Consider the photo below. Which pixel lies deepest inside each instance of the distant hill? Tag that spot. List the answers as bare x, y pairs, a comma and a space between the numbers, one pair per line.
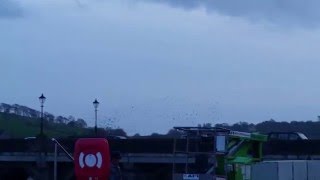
18, 121
15, 126
32, 113
19, 110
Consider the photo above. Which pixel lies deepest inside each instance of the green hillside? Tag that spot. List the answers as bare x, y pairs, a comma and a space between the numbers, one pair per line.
19, 127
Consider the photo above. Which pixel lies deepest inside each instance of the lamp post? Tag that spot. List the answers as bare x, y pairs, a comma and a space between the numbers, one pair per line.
42, 99
95, 105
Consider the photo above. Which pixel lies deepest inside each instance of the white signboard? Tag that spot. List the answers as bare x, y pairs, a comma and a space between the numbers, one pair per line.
240, 134
191, 177
221, 143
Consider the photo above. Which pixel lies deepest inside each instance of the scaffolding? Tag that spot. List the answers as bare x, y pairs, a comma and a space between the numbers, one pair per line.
195, 136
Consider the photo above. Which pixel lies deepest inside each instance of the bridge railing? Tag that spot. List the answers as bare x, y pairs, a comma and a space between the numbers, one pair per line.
163, 146
300, 147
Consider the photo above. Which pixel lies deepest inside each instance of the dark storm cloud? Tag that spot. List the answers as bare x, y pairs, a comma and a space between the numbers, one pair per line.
10, 9
277, 11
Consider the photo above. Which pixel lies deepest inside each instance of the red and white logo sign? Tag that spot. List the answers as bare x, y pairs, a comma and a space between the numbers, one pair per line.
92, 158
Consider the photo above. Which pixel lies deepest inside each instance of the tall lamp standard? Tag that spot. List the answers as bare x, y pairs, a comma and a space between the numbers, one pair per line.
95, 105
42, 99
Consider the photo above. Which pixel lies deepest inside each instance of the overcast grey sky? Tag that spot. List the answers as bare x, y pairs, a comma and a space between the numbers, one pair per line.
157, 64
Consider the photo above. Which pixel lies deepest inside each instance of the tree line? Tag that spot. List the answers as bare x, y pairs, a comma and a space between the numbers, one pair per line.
309, 128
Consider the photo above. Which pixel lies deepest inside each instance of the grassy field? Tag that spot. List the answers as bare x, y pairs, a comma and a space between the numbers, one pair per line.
19, 127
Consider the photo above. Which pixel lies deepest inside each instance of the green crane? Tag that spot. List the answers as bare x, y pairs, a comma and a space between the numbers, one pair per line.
233, 153
243, 150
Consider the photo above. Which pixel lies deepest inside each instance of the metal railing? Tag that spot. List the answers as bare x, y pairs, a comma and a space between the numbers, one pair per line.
56, 145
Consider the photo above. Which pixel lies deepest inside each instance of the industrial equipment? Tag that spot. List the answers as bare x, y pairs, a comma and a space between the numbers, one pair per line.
230, 158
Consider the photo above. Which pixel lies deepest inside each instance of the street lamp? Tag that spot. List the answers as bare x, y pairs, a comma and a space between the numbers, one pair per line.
95, 105
42, 99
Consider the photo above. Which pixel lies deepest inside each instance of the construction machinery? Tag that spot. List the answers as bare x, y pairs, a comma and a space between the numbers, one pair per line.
230, 158
203, 154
